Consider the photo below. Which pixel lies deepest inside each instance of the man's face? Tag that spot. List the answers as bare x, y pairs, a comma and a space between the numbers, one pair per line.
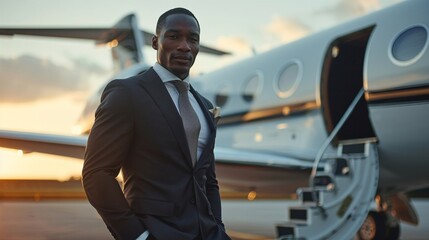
178, 44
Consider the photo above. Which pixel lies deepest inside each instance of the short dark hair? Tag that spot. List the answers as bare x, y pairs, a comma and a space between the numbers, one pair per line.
161, 19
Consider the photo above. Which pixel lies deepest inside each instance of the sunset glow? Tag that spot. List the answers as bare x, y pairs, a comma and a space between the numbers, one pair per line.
49, 116
45, 82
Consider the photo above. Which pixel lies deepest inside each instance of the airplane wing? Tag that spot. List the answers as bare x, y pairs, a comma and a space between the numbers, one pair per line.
238, 171
77, 33
100, 35
61, 145
74, 146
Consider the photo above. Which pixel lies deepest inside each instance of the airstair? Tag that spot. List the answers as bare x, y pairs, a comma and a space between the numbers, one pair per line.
342, 188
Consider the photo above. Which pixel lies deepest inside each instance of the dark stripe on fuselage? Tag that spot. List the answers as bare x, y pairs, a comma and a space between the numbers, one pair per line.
267, 113
399, 96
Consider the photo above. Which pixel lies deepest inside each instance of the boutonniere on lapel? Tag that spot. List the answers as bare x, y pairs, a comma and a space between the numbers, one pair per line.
216, 113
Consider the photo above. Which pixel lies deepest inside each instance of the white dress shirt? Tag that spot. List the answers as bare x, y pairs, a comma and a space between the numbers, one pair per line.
166, 76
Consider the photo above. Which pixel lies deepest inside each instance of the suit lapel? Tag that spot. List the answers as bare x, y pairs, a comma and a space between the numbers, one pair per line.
204, 108
210, 123
159, 93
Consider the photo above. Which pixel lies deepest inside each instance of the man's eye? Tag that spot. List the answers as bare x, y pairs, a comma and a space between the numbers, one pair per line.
173, 36
194, 40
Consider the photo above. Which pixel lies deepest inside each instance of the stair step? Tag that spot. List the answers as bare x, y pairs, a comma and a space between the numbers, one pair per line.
287, 231
356, 149
323, 182
299, 215
296, 228
309, 196
313, 197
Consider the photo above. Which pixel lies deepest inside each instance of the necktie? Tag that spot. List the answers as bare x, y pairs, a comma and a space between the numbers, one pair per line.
190, 120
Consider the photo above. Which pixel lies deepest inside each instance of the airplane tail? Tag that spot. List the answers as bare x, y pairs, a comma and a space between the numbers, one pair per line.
126, 42
125, 39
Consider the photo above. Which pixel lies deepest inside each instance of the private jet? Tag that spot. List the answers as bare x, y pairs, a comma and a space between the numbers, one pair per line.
336, 120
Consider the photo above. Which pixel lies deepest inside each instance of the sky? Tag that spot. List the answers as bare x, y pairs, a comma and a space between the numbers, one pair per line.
44, 82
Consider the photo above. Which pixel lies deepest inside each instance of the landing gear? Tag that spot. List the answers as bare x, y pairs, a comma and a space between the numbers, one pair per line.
379, 226
373, 227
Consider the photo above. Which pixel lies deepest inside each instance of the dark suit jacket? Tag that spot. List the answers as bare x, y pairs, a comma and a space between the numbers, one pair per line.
139, 130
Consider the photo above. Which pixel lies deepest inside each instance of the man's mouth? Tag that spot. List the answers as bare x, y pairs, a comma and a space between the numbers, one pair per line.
182, 59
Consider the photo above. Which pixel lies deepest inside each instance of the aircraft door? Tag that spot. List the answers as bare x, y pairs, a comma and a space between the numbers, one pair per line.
342, 79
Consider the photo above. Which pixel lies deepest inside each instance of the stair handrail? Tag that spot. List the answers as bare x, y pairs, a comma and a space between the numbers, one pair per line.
334, 132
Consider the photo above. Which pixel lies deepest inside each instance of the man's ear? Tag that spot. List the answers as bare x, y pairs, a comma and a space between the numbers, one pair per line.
155, 42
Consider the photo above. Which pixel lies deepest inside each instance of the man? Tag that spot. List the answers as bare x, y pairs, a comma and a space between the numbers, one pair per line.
163, 145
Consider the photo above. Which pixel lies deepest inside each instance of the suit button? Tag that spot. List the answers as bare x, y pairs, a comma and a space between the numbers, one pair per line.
192, 202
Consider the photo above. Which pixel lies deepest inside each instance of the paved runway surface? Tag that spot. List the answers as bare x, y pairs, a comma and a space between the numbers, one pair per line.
76, 219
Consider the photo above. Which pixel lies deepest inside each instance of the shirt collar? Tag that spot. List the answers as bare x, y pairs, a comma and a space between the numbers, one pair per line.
165, 75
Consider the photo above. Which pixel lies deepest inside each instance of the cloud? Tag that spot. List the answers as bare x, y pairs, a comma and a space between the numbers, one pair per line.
28, 78
235, 44
286, 30
88, 67
239, 48
277, 32
346, 9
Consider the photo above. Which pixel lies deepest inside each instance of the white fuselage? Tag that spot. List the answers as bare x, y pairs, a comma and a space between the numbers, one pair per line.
274, 102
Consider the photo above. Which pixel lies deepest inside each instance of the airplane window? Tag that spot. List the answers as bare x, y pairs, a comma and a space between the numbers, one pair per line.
251, 87
409, 45
288, 79
222, 96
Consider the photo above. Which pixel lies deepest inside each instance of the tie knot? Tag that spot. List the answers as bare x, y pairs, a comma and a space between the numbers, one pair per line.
181, 86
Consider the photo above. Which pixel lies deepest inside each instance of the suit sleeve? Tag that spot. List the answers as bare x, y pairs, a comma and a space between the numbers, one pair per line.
212, 190
107, 148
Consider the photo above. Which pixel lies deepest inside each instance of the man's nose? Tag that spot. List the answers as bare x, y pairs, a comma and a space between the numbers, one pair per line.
184, 45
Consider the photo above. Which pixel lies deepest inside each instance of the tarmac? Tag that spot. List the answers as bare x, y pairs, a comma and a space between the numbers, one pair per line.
76, 219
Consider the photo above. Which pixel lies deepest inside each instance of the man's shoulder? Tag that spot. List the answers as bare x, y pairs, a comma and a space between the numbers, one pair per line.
133, 80
149, 73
